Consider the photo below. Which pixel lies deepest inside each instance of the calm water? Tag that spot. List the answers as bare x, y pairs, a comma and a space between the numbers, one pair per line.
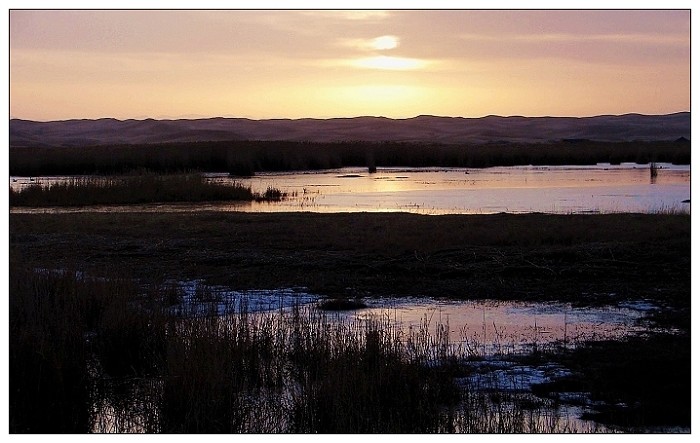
519, 189
493, 332
483, 328
487, 328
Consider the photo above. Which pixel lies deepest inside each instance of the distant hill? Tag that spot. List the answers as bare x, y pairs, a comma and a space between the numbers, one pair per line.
424, 128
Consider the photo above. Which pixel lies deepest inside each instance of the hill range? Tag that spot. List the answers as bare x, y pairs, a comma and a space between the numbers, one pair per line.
424, 128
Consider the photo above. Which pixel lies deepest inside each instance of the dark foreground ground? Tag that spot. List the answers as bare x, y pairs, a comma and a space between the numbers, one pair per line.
581, 258
586, 259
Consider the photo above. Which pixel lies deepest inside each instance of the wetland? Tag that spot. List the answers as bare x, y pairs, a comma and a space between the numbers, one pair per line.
109, 292
507, 299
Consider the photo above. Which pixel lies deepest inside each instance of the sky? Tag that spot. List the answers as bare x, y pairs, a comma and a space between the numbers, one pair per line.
262, 64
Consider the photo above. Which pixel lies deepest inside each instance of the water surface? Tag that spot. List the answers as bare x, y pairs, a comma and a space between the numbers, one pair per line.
490, 334
601, 188
480, 328
518, 189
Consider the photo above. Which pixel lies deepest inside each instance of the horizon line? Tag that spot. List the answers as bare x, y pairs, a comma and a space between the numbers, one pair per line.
192, 118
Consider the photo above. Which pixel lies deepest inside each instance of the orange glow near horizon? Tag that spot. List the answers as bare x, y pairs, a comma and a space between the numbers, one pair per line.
323, 64
400, 100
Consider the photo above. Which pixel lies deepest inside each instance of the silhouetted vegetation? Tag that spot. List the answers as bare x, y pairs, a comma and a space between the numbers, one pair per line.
75, 366
106, 354
48, 355
641, 381
114, 348
271, 194
134, 189
245, 158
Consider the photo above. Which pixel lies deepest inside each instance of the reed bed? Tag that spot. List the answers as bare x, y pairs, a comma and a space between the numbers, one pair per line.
245, 158
110, 354
107, 355
141, 188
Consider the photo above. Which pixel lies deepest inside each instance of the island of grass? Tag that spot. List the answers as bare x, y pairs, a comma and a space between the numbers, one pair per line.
139, 188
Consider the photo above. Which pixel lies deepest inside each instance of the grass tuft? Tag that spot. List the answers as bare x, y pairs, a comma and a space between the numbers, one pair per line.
341, 304
271, 194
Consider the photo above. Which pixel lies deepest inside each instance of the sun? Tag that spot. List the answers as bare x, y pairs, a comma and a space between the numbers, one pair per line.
385, 42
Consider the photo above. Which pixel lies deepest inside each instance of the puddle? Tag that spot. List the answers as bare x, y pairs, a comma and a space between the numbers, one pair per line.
488, 335
483, 328
198, 299
487, 328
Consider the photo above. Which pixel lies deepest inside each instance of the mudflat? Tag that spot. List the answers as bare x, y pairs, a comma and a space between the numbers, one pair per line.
579, 258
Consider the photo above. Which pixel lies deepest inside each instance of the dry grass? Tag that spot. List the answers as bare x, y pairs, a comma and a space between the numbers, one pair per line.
82, 347
105, 353
504, 256
109, 355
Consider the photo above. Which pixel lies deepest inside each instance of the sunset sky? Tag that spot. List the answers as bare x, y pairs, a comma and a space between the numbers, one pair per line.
323, 64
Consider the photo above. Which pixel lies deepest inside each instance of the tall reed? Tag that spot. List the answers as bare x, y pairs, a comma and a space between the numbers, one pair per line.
49, 374
244, 158
112, 355
130, 189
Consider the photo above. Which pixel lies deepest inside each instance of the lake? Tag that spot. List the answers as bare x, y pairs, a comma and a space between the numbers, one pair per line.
601, 188
517, 189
